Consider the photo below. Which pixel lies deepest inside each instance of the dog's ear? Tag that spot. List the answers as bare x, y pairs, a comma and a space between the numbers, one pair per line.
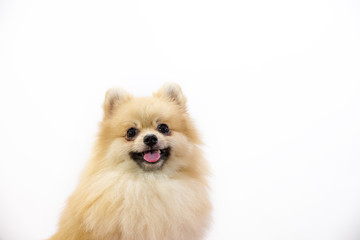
114, 97
172, 92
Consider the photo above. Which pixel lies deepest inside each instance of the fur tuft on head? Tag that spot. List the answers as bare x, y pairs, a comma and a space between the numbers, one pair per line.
114, 97
172, 92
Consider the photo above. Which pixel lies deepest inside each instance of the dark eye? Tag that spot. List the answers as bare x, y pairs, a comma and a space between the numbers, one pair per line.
163, 128
131, 133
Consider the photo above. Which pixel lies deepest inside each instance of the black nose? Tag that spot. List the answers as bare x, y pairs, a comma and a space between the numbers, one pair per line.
150, 140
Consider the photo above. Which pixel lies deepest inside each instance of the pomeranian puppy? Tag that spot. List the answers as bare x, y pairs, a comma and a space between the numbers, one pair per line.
147, 178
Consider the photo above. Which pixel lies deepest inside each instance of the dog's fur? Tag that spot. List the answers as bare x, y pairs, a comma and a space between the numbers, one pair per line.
117, 199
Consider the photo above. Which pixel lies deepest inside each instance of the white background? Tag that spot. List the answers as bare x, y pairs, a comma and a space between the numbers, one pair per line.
274, 87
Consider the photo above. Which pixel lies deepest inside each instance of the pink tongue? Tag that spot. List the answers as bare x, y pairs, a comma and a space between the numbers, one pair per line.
152, 156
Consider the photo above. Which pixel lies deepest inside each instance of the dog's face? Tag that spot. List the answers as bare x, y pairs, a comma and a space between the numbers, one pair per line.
150, 133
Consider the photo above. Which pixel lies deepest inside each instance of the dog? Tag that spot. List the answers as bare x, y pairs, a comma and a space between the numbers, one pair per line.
147, 178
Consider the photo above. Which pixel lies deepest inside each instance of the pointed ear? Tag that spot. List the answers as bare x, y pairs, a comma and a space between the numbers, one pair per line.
172, 92
114, 97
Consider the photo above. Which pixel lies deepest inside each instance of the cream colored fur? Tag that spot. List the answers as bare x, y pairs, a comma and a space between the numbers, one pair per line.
117, 200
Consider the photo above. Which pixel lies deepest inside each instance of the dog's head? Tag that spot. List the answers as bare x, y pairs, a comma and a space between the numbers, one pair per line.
148, 133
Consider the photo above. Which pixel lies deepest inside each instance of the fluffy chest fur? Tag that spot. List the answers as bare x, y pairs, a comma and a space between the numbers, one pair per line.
147, 208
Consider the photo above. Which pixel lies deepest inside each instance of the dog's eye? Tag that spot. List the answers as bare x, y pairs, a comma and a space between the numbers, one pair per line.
131, 133
163, 128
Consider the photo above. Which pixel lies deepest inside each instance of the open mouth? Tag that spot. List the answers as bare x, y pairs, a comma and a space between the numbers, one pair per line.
152, 159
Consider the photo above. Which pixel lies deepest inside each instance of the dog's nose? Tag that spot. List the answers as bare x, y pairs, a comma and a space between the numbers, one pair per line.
150, 140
